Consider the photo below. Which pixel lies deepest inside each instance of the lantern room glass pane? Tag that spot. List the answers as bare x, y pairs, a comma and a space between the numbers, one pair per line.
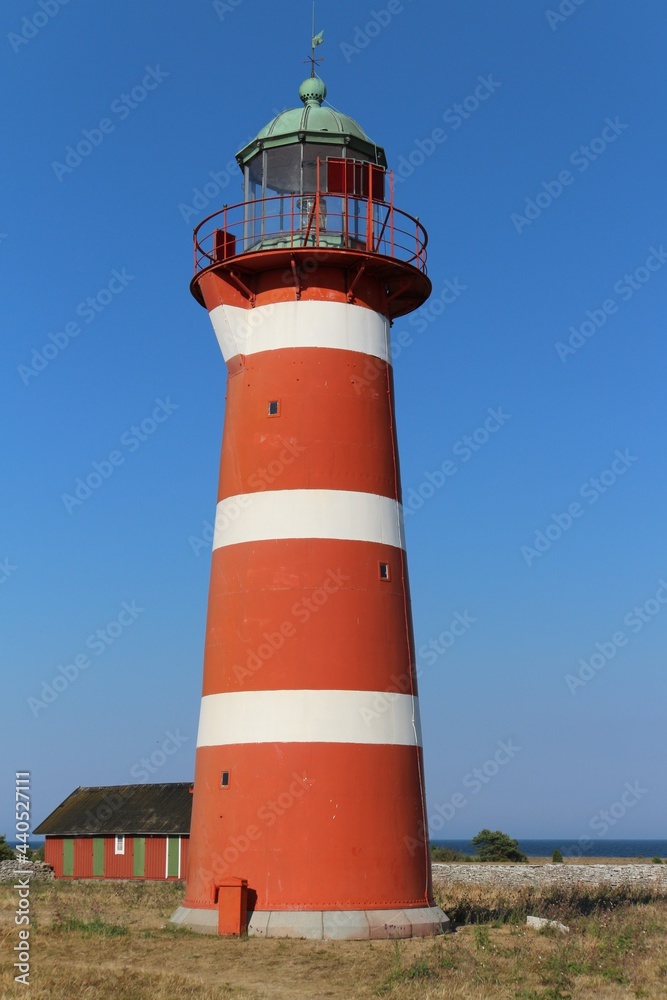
289, 169
282, 170
254, 178
311, 151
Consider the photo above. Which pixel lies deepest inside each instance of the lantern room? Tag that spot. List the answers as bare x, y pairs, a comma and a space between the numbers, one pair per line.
300, 157
283, 157
313, 180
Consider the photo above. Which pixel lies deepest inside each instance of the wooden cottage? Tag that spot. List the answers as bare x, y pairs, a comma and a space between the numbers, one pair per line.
120, 831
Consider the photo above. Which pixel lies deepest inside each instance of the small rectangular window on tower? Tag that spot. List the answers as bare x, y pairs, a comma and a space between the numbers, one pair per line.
273, 407
384, 571
224, 779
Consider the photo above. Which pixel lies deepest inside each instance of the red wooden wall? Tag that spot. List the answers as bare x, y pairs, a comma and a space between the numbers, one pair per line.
156, 861
115, 865
53, 854
83, 857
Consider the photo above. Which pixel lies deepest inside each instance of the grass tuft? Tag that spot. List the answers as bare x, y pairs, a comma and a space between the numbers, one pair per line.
99, 927
418, 970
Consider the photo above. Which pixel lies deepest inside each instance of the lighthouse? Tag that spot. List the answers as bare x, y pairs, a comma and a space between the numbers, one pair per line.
309, 815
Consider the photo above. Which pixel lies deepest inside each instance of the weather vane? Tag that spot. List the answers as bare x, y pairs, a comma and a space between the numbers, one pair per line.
314, 42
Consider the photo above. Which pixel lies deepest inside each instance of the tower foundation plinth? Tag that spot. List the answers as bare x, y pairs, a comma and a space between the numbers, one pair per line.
326, 925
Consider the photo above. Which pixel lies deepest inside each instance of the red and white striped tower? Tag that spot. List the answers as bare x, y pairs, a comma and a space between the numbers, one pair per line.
309, 775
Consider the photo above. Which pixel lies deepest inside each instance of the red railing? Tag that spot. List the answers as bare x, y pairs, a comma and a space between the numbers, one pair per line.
320, 219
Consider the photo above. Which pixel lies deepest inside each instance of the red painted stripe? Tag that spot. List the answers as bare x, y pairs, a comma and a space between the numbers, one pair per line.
334, 429
307, 613
316, 826
319, 283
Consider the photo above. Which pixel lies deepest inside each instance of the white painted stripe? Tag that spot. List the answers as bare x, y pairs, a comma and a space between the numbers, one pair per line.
273, 514
378, 717
166, 857
279, 325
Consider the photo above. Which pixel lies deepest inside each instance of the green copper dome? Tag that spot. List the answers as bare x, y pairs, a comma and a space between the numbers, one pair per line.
312, 123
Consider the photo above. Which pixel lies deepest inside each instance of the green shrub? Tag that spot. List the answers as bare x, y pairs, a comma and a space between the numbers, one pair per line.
448, 854
657, 861
494, 845
557, 857
6, 852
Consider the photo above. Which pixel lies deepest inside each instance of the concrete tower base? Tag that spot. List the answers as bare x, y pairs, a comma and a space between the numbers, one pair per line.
328, 925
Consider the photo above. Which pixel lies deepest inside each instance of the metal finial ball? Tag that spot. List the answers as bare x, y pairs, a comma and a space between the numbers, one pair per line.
312, 90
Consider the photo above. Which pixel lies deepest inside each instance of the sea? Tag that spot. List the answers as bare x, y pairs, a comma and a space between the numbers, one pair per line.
594, 848
586, 847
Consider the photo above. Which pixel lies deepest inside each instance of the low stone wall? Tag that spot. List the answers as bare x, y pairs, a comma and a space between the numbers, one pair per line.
515, 876
37, 870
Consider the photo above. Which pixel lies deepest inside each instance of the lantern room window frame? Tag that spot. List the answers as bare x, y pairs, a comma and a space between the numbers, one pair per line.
280, 178
254, 190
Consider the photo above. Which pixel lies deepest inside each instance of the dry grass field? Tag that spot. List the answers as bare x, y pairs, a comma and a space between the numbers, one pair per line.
111, 940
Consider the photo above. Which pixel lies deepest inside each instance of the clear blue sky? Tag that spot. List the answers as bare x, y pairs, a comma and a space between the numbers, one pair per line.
547, 89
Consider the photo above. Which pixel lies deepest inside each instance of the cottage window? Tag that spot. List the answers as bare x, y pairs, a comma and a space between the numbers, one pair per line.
120, 845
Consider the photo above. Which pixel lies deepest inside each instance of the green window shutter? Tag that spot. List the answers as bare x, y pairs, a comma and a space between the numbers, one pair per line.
68, 856
98, 855
173, 851
139, 862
